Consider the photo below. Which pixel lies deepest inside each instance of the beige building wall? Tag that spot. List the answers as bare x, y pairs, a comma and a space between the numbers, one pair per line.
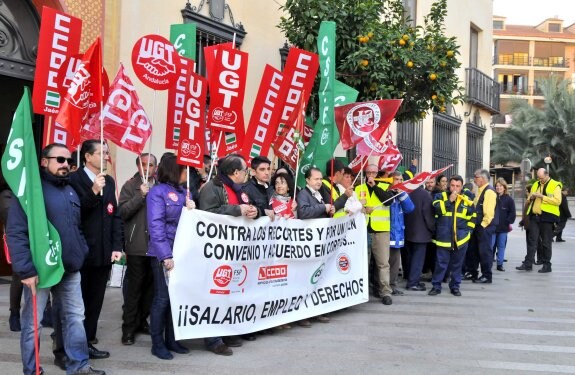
128, 20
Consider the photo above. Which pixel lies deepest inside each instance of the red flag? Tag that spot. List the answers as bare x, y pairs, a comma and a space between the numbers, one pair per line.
356, 121
192, 138
227, 89
412, 184
357, 163
210, 54
392, 157
125, 120
291, 137
86, 88
299, 76
59, 39
177, 103
265, 114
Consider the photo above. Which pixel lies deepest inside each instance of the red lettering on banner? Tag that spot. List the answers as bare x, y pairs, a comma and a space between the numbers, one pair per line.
59, 39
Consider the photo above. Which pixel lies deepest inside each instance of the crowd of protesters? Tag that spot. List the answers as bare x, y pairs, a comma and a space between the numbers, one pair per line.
449, 230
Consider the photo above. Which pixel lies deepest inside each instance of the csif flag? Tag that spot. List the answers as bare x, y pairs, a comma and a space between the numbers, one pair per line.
356, 121
85, 88
20, 169
392, 156
412, 184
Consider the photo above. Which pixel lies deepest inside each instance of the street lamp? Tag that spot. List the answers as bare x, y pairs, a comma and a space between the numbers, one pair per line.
547, 161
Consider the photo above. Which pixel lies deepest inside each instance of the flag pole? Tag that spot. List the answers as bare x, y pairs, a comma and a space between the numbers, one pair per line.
362, 166
215, 156
142, 167
36, 334
152, 132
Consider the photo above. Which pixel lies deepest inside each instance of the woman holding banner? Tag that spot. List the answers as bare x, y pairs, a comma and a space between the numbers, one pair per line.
164, 206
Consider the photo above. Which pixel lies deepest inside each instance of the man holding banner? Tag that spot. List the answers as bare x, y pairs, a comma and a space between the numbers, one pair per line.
63, 211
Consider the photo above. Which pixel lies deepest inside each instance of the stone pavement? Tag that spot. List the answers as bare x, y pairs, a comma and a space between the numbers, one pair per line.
521, 324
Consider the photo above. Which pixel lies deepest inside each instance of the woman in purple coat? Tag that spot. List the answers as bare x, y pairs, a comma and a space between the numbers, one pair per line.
164, 207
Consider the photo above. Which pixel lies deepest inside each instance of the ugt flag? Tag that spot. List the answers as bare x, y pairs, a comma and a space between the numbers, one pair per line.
20, 169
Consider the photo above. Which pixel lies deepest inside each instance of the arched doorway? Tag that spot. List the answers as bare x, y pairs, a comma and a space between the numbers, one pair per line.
19, 31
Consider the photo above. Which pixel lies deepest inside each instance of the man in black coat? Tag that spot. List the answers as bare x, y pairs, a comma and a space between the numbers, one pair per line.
102, 227
258, 189
419, 228
312, 203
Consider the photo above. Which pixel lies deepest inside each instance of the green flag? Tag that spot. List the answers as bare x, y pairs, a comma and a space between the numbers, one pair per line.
21, 171
183, 37
344, 94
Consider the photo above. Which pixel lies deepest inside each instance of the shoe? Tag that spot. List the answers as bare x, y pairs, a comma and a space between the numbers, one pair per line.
538, 262
97, 354
221, 349
14, 321
469, 276
456, 292
560, 240
396, 292
90, 370
545, 269
322, 319
500, 268
249, 337
386, 300
482, 280
128, 339
61, 361
144, 328
504, 260
524, 267
93, 341
417, 288
176, 347
304, 323
162, 352
434, 292
41, 371
232, 341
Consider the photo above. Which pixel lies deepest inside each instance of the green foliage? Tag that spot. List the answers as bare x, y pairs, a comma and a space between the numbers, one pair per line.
380, 54
537, 133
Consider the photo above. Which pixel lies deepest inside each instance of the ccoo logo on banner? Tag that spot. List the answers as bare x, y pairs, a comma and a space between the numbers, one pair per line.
234, 275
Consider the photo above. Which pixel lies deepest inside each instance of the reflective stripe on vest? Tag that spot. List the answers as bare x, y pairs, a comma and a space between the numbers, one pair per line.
448, 244
334, 195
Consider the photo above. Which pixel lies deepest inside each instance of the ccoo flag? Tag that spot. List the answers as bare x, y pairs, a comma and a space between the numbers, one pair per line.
20, 169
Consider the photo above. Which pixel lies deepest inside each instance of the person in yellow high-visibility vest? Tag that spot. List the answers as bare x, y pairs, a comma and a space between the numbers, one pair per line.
543, 212
334, 174
372, 194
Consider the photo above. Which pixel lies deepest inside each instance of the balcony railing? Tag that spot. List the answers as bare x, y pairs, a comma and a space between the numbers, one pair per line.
551, 62
520, 90
482, 90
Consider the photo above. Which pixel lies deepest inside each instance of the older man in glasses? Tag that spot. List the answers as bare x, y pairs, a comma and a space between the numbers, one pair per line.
63, 211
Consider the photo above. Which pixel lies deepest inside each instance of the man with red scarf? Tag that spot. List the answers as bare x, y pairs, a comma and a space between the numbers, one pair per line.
223, 195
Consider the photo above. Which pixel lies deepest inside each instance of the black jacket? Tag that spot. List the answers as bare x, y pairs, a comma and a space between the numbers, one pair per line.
63, 211
564, 211
259, 195
506, 208
132, 210
310, 208
420, 223
101, 223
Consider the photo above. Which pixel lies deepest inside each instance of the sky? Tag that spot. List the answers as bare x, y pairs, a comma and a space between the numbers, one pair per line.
533, 12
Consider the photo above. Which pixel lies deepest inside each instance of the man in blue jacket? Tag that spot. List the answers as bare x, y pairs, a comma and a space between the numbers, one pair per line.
63, 211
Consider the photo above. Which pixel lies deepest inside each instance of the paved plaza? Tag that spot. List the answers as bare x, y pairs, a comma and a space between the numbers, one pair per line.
521, 324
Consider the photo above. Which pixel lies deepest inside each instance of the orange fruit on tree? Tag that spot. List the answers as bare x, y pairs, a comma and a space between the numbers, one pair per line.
433, 97
364, 63
409, 64
442, 63
401, 42
450, 53
405, 37
433, 76
442, 109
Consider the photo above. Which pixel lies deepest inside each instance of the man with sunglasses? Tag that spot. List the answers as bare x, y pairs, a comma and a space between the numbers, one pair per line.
63, 211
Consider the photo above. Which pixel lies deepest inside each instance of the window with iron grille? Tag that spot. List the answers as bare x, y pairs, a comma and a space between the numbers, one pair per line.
475, 134
445, 142
409, 142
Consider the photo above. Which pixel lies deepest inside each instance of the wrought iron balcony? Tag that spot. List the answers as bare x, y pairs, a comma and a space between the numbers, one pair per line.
481, 90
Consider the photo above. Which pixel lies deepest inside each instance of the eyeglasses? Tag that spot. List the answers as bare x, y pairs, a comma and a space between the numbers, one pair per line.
61, 159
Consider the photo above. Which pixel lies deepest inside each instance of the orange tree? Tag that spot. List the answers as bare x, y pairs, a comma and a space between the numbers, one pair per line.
380, 54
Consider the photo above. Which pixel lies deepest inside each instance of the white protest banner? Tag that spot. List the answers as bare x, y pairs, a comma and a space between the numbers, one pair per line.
234, 275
